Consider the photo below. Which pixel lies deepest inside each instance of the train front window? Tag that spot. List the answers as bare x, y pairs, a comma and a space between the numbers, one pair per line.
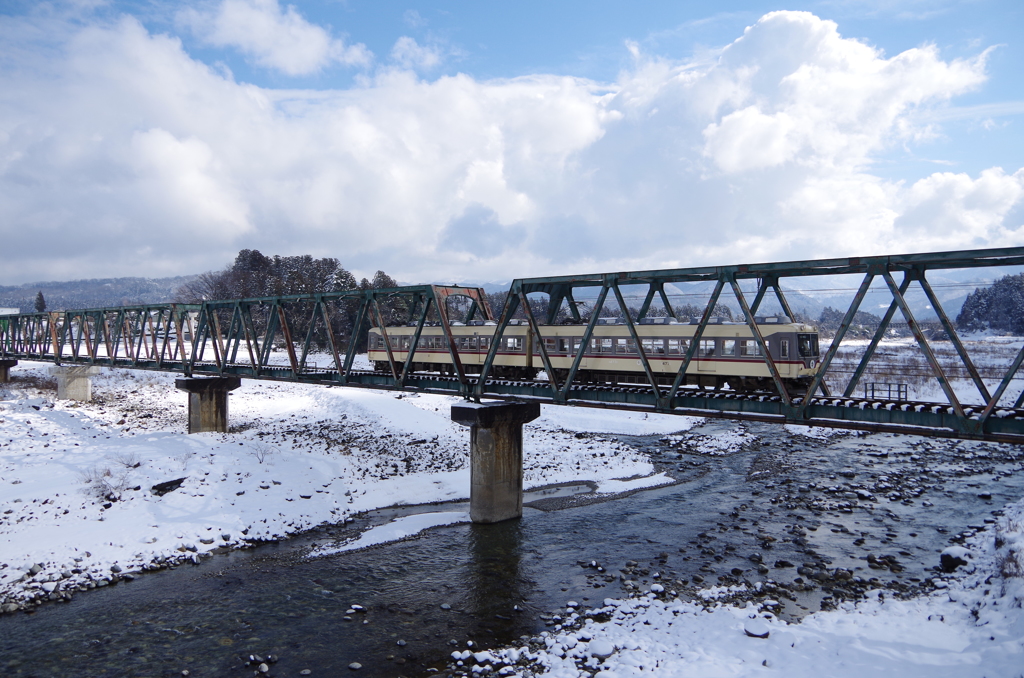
808, 345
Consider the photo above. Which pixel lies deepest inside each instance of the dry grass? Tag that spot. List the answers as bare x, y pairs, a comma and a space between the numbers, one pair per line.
36, 382
107, 483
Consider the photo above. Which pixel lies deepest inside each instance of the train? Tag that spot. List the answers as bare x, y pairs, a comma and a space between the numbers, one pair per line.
728, 356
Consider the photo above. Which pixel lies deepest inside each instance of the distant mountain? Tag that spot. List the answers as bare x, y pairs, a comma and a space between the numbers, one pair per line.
76, 294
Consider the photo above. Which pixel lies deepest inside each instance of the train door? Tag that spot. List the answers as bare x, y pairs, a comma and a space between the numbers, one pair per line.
577, 342
706, 356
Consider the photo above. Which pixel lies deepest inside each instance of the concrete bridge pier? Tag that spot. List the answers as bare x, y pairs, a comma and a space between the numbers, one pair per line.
496, 457
5, 370
208, 402
74, 382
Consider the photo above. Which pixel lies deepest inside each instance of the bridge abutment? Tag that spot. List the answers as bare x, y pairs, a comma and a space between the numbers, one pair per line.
5, 370
208, 402
496, 457
74, 382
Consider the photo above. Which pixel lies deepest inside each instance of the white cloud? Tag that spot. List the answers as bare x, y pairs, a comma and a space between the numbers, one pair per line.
273, 37
125, 156
809, 95
408, 53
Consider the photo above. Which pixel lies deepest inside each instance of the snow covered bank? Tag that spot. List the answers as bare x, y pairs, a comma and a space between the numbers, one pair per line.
971, 625
78, 509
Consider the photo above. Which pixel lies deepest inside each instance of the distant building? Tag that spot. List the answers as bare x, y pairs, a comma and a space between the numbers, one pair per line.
9, 311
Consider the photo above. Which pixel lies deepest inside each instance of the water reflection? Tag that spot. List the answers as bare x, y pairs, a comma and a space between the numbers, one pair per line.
497, 583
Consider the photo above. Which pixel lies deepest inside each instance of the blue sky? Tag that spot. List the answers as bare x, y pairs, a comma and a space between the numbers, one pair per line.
458, 140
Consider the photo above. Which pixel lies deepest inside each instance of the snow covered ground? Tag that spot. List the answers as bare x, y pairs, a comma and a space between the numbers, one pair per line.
77, 510
971, 626
76, 502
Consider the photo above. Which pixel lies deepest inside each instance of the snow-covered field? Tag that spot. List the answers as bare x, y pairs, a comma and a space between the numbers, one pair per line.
971, 627
900, 361
77, 508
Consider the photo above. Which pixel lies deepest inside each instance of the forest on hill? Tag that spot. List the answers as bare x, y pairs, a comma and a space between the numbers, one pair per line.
999, 307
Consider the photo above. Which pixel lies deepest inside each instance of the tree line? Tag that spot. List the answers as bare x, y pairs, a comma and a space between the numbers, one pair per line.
999, 307
253, 275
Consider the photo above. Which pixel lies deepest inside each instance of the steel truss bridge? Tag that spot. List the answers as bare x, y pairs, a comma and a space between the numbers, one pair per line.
239, 337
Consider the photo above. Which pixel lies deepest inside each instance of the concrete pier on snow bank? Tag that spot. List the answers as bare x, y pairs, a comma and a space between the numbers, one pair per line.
496, 457
74, 382
208, 402
5, 370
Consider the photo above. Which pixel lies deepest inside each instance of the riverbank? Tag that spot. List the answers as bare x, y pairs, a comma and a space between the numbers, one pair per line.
971, 625
78, 508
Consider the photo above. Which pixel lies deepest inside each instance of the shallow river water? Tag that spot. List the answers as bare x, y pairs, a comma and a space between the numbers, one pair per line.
878, 506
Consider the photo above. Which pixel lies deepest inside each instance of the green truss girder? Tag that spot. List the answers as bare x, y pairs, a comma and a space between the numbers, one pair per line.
237, 337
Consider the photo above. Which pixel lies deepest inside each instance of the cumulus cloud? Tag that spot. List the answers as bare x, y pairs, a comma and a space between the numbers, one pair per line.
125, 155
273, 37
802, 93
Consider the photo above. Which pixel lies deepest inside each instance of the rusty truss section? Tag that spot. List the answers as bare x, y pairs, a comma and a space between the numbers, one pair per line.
317, 339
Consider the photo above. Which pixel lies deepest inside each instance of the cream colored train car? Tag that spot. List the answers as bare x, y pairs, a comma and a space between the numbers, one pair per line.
727, 356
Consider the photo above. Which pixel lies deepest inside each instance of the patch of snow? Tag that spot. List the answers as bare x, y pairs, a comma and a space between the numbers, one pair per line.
617, 486
399, 528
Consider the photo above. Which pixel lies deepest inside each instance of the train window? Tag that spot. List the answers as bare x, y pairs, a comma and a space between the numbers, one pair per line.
750, 348
654, 346
576, 343
563, 344
485, 343
728, 347
807, 344
707, 347
514, 343
602, 345
406, 343
550, 344
625, 346
393, 340
784, 348
678, 346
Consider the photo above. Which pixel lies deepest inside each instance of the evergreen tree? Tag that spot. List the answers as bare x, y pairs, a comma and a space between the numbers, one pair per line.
40, 302
999, 307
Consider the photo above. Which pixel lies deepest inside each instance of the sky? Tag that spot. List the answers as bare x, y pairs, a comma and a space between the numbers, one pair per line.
475, 142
